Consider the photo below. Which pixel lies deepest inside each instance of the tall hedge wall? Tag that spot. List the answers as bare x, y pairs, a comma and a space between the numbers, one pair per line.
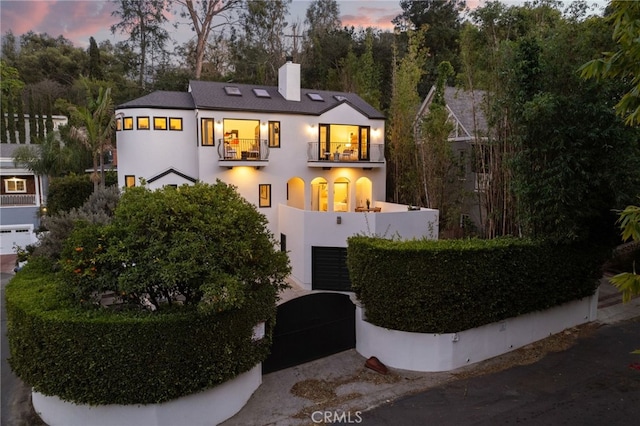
130, 357
453, 285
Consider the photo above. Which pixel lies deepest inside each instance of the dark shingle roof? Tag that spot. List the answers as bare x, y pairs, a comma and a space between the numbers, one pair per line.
464, 104
162, 99
212, 95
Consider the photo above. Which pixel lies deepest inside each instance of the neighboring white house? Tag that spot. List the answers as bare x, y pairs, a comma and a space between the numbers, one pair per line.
22, 196
311, 161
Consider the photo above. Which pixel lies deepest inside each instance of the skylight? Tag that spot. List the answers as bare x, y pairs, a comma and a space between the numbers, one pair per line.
315, 97
232, 91
340, 98
261, 93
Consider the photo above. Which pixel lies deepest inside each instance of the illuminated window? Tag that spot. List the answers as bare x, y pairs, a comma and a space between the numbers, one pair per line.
274, 134
127, 123
143, 123
14, 185
207, 132
129, 181
118, 124
265, 195
175, 123
159, 123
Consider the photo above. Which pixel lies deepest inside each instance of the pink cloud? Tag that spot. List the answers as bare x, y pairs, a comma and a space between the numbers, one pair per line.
74, 20
367, 16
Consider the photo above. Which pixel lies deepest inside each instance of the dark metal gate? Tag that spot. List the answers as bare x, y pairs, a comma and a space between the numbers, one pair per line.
311, 327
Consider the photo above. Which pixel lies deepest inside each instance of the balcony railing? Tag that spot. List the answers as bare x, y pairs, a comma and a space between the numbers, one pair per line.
243, 149
18, 200
345, 152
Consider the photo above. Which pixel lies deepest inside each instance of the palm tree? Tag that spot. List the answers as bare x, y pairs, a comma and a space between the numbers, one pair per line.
47, 157
98, 122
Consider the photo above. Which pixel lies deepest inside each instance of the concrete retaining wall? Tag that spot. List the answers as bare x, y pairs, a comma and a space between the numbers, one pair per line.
207, 408
448, 351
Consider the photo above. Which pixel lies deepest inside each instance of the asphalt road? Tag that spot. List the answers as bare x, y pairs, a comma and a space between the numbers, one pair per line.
596, 382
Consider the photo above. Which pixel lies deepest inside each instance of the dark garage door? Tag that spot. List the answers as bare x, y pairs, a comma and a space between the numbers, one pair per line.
329, 269
311, 327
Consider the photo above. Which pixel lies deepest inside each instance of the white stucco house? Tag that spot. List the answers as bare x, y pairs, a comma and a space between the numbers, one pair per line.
311, 161
23, 194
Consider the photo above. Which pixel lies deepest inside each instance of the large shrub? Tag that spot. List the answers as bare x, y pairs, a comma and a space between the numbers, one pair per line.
201, 244
97, 209
106, 356
199, 256
68, 192
453, 285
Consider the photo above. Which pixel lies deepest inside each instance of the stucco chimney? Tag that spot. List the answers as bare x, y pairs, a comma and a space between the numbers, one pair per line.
289, 80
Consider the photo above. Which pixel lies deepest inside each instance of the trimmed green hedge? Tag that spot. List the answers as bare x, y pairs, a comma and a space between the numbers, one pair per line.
453, 285
102, 356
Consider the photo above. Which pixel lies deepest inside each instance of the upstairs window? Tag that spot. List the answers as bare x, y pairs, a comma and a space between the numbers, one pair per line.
143, 123
127, 123
206, 136
274, 134
175, 123
15, 185
159, 123
265, 195
118, 124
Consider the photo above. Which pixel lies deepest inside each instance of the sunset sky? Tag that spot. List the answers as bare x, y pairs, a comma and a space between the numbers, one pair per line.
79, 20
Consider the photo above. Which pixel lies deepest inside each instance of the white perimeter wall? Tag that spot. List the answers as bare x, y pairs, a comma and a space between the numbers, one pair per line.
448, 351
305, 229
206, 408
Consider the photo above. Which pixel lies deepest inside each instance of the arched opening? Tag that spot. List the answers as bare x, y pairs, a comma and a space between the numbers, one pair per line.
363, 192
341, 195
295, 193
319, 195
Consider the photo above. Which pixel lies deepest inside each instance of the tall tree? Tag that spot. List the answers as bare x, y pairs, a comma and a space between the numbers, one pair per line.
20, 120
48, 157
360, 74
324, 43
201, 14
95, 62
260, 50
143, 22
624, 62
443, 20
440, 171
3, 125
33, 122
97, 124
405, 180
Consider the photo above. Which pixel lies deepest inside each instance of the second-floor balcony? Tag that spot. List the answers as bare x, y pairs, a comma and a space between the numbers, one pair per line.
232, 151
7, 200
344, 154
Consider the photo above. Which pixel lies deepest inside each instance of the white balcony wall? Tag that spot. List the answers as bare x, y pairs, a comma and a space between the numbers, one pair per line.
305, 229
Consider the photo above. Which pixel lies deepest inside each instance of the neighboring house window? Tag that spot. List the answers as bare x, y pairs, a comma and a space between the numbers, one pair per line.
274, 134
129, 181
265, 195
15, 185
175, 123
127, 123
207, 132
159, 123
143, 123
119, 124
